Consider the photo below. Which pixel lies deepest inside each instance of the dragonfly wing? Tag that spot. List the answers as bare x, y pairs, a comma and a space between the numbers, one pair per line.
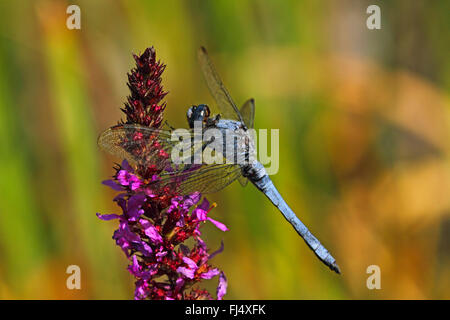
153, 147
248, 113
204, 179
217, 88
140, 145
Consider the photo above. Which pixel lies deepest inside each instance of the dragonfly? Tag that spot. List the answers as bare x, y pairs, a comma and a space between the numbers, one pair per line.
145, 146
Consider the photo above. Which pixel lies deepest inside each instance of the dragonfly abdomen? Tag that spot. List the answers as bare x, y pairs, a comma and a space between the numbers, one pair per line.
266, 185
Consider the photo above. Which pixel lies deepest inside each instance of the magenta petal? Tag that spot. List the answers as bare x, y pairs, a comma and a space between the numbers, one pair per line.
212, 255
128, 179
210, 274
191, 199
112, 184
161, 254
145, 249
134, 206
141, 290
122, 177
218, 224
149, 193
107, 217
188, 273
135, 268
127, 166
204, 205
179, 283
200, 214
222, 287
190, 263
151, 231
135, 183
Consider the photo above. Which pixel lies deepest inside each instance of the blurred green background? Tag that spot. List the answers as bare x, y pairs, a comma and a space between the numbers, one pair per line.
364, 141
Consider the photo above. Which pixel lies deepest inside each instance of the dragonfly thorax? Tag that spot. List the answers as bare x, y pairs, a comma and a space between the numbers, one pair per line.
238, 142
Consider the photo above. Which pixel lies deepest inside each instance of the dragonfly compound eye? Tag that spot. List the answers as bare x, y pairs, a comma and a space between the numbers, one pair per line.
203, 111
190, 112
207, 112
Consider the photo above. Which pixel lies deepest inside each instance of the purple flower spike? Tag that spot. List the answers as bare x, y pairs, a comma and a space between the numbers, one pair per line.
156, 224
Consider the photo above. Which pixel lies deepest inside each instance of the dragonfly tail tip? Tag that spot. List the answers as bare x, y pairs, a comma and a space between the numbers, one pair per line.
335, 268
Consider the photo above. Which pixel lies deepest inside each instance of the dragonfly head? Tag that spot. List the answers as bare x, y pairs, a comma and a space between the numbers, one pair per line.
197, 113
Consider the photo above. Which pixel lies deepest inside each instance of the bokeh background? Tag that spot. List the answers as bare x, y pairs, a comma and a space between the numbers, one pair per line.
364, 125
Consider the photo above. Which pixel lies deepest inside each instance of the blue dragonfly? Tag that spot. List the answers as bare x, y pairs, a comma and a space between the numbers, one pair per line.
144, 146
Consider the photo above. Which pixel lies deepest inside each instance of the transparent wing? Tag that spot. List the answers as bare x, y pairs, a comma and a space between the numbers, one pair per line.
248, 113
146, 146
204, 179
217, 88
140, 145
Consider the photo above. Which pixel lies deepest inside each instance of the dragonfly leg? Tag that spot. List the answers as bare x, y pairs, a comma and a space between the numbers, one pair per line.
167, 124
